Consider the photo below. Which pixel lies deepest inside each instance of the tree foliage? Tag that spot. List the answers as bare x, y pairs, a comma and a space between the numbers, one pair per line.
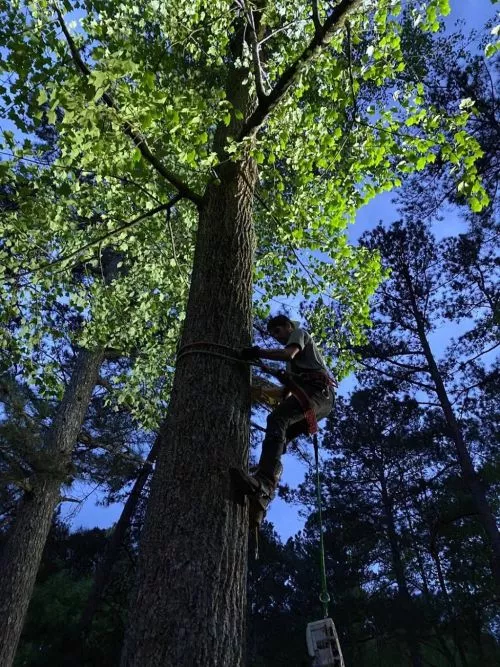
134, 97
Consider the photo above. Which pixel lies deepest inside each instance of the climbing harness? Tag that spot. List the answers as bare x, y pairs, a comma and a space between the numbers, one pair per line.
288, 381
286, 378
321, 636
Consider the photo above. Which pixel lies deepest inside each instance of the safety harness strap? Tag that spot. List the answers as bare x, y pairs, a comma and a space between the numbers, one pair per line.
286, 378
300, 394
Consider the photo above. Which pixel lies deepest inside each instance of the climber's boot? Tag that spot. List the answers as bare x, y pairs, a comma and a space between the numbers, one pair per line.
259, 487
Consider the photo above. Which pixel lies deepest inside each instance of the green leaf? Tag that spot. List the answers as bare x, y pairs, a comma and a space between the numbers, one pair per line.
475, 205
148, 80
259, 157
444, 7
491, 49
42, 97
98, 78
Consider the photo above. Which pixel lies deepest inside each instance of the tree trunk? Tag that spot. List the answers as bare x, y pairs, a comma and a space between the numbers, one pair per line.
486, 516
427, 594
397, 563
189, 606
24, 548
449, 608
190, 601
105, 568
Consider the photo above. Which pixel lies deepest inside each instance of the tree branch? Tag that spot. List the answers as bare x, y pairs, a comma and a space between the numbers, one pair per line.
257, 67
99, 239
105, 384
443, 521
315, 17
480, 354
174, 251
110, 354
481, 383
370, 351
136, 136
351, 78
408, 367
258, 427
290, 76
404, 378
277, 31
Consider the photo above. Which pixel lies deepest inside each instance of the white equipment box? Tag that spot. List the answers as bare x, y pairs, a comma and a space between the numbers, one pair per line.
323, 644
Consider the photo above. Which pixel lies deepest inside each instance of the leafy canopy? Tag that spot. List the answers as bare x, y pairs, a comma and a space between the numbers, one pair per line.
136, 94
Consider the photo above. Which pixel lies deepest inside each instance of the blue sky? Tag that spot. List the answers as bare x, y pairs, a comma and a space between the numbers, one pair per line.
286, 517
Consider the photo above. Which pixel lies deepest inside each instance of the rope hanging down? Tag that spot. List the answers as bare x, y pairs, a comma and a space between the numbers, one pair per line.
321, 636
324, 596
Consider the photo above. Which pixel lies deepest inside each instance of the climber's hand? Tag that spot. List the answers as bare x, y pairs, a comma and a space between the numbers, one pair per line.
250, 353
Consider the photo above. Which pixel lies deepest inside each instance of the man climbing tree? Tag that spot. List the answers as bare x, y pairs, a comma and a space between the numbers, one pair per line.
307, 397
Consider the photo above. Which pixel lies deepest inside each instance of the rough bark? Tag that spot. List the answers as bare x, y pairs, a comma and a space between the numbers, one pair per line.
189, 607
469, 474
24, 548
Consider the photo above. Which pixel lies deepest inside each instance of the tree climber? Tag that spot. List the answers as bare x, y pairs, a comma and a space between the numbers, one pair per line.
305, 399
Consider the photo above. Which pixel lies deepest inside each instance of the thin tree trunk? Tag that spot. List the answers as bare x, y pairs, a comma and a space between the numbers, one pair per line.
427, 594
24, 548
115, 541
469, 474
397, 562
449, 608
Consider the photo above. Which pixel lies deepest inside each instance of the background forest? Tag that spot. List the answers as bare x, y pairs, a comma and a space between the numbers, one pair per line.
96, 264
